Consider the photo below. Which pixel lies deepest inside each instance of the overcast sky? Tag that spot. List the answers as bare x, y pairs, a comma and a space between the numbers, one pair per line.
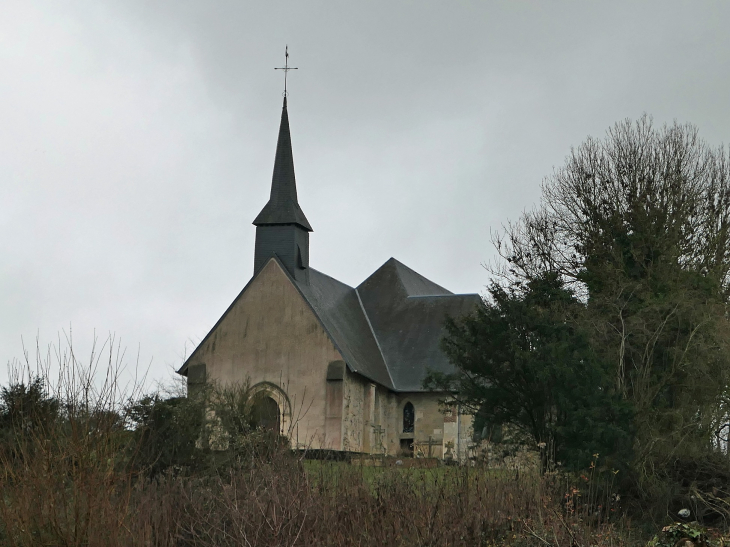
137, 140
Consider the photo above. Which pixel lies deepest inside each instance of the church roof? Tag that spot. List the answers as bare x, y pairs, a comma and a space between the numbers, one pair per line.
338, 307
283, 206
389, 328
407, 313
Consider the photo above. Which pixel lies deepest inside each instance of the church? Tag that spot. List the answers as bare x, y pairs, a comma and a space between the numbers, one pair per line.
333, 366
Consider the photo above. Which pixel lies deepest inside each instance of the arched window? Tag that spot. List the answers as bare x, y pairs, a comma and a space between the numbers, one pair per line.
265, 414
409, 418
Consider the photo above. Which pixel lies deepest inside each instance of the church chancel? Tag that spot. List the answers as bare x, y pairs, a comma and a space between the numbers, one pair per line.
337, 367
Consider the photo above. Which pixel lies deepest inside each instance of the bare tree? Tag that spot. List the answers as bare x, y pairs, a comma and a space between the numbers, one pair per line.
640, 198
638, 222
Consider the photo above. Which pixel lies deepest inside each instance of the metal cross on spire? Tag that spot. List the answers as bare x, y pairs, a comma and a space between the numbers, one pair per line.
286, 68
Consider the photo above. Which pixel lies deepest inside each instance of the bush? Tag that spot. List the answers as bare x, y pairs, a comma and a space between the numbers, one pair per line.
108, 469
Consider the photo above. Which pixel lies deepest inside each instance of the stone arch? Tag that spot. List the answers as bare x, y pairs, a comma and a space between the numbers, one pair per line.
261, 397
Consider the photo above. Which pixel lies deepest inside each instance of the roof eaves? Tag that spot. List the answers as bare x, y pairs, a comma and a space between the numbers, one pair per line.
462, 295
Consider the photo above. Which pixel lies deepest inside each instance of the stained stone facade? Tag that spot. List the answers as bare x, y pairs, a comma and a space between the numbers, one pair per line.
343, 365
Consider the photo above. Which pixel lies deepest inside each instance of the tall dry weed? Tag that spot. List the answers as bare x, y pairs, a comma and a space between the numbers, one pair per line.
65, 477
288, 502
72, 479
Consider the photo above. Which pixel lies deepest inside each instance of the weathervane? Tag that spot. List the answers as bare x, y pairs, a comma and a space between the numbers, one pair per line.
286, 68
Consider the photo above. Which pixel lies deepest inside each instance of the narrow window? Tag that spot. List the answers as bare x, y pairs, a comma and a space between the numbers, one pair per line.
408, 418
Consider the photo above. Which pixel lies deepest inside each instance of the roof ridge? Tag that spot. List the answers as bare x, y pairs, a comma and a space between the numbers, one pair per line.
402, 270
375, 337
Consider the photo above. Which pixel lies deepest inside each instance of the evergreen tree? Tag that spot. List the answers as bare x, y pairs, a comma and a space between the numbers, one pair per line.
526, 365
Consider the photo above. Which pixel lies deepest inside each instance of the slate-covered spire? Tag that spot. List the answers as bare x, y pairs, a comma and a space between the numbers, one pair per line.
282, 230
283, 207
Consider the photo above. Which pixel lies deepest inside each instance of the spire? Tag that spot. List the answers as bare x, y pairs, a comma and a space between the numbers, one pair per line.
283, 206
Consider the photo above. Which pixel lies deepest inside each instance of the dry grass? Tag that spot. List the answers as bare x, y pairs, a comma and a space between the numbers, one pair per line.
74, 480
277, 502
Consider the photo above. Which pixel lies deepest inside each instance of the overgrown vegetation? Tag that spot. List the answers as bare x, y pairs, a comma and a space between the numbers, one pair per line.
608, 330
526, 363
85, 462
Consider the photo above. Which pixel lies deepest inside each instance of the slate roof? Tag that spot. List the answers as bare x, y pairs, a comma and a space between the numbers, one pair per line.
389, 328
407, 313
338, 307
283, 206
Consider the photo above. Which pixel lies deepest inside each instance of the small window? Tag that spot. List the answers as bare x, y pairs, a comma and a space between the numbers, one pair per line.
409, 418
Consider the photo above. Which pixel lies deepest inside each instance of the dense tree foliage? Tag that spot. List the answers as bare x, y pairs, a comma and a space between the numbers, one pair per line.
166, 431
152, 435
638, 225
26, 410
525, 363
26, 405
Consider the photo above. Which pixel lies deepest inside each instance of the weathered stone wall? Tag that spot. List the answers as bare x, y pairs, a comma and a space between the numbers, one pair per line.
429, 422
270, 334
271, 337
390, 419
334, 404
466, 445
373, 421
353, 423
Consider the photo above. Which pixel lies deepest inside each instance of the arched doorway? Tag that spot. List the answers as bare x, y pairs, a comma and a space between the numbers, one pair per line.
261, 412
265, 414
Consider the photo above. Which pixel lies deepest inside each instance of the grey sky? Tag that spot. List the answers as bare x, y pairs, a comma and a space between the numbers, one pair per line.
137, 140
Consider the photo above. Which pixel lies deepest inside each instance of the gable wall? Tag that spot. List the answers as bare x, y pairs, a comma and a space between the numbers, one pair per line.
271, 335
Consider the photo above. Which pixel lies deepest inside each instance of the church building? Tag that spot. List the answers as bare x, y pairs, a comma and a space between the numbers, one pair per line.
334, 367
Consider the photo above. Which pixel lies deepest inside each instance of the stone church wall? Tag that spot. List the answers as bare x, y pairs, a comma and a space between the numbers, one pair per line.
373, 421
270, 335
369, 422
352, 415
429, 422
272, 339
